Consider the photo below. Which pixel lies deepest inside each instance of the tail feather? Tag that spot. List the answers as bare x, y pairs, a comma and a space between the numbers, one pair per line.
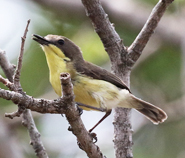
153, 113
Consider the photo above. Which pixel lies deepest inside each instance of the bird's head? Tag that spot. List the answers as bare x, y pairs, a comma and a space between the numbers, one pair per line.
60, 45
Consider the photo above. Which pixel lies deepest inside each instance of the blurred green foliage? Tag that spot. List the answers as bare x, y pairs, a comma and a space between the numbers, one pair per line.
163, 142
163, 70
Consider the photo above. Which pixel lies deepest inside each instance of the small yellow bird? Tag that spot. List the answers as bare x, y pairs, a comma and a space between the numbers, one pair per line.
92, 85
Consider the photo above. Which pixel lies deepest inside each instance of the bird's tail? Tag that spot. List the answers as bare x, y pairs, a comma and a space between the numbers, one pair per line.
153, 113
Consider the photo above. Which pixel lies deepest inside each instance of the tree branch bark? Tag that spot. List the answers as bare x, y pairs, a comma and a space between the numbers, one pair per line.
143, 37
122, 61
118, 56
85, 140
103, 27
16, 77
6, 66
28, 122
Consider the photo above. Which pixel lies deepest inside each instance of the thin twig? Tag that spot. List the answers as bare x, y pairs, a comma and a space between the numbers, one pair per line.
6, 66
7, 83
9, 69
105, 29
27, 119
143, 37
19, 64
13, 114
34, 135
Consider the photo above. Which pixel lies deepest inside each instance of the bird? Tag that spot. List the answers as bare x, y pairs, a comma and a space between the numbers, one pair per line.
94, 87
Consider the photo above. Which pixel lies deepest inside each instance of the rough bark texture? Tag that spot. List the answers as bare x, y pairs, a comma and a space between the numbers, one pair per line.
34, 134
122, 61
143, 37
85, 140
118, 56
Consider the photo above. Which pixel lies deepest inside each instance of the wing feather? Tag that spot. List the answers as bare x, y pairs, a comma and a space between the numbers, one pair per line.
99, 73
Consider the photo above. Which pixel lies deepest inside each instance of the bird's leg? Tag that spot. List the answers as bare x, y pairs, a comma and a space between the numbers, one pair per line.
108, 112
90, 107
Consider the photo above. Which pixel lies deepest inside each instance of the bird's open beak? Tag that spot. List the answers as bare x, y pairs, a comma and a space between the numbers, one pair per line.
41, 40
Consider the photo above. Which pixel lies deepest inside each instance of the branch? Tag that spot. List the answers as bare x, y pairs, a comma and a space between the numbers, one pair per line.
38, 105
85, 140
143, 37
34, 135
124, 12
7, 83
117, 52
7, 68
27, 117
19, 64
106, 31
118, 56
64, 105
122, 61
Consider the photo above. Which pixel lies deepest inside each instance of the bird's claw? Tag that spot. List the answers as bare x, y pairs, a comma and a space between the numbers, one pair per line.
80, 110
70, 128
94, 137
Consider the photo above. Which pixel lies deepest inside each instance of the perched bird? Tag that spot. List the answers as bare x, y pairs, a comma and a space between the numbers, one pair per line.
93, 85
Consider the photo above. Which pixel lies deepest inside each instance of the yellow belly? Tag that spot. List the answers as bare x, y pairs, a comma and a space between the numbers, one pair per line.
83, 94
89, 91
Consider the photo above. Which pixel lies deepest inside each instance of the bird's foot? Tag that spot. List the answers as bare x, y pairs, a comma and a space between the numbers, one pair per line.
94, 137
80, 110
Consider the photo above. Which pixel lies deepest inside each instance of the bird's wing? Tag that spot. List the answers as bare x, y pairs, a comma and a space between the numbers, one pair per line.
99, 73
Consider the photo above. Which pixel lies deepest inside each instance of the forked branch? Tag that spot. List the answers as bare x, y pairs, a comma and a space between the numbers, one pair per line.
19, 64
122, 61
14, 84
143, 37
64, 105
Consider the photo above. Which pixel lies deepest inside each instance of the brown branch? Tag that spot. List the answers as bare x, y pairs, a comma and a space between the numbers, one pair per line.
16, 77
9, 69
39, 105
7, 83
106, 31
135, 13
122, 61
34, 135
19, 64
27, 117
118, 55
143, 37
85, 140
124, 12
64, 105
6, 66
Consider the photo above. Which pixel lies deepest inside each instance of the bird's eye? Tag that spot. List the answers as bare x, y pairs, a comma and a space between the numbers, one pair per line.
60, 41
